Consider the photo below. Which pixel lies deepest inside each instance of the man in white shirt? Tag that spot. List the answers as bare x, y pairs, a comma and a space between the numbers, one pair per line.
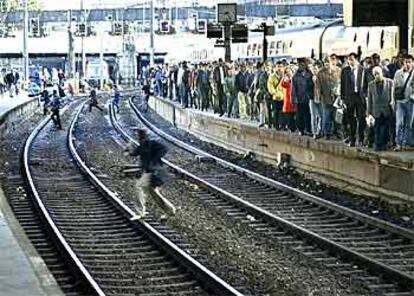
403, 104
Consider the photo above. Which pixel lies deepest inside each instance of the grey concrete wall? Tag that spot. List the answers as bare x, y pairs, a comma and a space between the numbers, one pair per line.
380, 175
10, 120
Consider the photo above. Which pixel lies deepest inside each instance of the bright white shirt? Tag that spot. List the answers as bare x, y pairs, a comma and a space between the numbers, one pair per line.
221, 74
355, 72
180, 76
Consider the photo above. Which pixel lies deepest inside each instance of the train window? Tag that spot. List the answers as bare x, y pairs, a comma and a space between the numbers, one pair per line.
272, 48
249, 48
279, 44
291, 44
367, 39
259, 50
355, 37
254, 49
382, 41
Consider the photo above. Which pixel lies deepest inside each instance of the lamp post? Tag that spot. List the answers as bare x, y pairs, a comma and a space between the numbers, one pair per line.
25, 41
152, 60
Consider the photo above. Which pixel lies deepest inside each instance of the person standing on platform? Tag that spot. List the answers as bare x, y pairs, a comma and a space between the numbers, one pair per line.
403, 103
379, 107
241, 90
218, 82
352, 77
250, 92
16, 81
315, 105
93, 102
184, 79
55, 109
203, 88
289, 109
302, 92
329, 90
278, 94
2, 81
261, 93
10, 83
230, 92
153, 174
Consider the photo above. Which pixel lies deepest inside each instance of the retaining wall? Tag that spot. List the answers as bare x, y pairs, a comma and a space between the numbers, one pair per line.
384, 175
11, 118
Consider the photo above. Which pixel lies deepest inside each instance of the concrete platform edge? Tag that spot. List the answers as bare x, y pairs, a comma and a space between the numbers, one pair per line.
46, 280
376, 176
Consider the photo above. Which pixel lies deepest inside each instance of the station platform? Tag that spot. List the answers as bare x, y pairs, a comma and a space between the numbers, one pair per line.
6, 102
22, 270
387, 175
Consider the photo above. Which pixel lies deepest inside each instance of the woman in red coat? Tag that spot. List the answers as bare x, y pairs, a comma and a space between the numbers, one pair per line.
289, 109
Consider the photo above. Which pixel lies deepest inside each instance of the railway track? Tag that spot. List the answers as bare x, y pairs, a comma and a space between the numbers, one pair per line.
110, 254
26, 213
377, 252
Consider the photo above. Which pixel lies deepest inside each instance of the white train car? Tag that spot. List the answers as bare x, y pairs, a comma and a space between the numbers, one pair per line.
316, 41
321, 40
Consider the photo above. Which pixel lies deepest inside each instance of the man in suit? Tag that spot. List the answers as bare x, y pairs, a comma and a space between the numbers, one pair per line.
219, 73
353, 96
380, 92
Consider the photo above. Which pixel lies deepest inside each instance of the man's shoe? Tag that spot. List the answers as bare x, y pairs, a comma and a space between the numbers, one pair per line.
140, 216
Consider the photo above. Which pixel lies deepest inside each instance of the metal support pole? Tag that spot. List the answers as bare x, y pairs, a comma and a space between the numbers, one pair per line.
403, 35
152, 60
101, 60
71, 57
227, 43
83, 69
25, 41
123, 31
265, 44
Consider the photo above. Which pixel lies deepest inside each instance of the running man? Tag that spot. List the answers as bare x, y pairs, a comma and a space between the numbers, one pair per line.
150, 152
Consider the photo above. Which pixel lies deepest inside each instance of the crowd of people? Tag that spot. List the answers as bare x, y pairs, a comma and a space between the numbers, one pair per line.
9, 82
367, 102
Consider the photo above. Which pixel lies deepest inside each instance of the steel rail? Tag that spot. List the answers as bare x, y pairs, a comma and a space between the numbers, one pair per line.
206, 277
409, 234
402, 278
47, 217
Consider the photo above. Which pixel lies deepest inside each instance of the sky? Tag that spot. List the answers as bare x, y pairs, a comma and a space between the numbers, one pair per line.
75, 4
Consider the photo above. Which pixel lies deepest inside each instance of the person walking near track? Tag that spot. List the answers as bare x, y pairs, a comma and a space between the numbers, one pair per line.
55, 109
117, 98
94, 100
152, 177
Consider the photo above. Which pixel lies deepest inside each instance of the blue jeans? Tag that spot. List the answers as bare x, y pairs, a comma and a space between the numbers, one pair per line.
328, 112
404, 123
232, 106
316, 117
184, 92
159, 91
